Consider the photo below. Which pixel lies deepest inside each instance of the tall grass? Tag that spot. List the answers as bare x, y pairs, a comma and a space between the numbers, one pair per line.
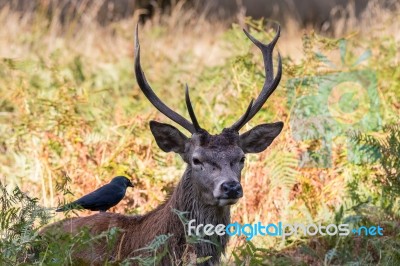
72, 117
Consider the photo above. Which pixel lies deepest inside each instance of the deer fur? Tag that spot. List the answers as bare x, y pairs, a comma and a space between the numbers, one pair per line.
139, 231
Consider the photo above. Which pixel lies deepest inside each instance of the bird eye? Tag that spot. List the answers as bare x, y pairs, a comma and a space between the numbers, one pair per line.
243, 159
196, 161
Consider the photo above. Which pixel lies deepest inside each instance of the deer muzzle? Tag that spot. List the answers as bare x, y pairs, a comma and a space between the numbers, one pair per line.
231, 190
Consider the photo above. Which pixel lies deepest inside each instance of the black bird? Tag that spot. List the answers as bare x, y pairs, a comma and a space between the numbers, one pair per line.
103, 198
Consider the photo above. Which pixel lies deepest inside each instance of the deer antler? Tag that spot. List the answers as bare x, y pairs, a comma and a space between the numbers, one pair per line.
152, 97
270, 83
191, 112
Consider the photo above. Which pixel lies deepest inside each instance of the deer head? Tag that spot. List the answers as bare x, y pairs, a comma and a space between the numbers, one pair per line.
215, 162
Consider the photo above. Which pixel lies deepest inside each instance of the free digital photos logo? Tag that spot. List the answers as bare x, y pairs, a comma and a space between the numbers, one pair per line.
280, 229
332, 105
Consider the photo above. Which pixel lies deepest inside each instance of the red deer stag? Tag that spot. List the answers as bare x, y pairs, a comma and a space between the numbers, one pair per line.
207, 189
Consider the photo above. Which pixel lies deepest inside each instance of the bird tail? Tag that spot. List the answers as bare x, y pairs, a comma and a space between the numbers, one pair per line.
63, 208
68, 207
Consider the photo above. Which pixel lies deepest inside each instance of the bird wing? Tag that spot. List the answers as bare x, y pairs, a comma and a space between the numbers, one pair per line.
103, 198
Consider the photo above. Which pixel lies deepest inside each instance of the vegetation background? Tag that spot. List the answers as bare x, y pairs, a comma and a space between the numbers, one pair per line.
72, 117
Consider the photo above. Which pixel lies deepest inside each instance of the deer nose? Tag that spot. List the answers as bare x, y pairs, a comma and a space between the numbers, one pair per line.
232, 190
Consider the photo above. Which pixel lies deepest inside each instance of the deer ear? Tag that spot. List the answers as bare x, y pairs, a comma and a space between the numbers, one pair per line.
168, 138
260, 137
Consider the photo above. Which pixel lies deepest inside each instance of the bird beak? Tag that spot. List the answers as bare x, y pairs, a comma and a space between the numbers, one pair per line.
130, 184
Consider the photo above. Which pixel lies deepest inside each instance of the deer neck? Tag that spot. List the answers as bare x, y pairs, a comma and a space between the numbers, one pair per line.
186, 199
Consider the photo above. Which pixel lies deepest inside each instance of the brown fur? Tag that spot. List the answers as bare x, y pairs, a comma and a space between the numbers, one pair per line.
139, 231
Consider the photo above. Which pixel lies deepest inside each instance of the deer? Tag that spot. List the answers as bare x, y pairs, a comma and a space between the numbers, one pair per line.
209, 186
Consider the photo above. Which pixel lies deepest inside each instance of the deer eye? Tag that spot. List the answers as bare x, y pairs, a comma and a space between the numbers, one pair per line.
243, 159
197, 161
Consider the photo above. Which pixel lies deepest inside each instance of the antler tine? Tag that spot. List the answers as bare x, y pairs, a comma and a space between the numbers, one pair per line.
270, 83
242, 121
152, 97
191, 112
